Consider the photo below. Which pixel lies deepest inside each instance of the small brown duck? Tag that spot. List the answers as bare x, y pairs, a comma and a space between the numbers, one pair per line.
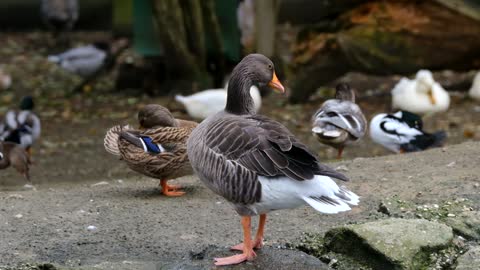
339, 121
157, 149
12, 154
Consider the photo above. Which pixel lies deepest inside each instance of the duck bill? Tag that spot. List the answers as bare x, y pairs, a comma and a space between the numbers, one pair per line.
276, 85
431, 97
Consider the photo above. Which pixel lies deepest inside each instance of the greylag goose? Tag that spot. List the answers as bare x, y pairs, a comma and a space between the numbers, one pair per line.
402, 132
256, 163
339, 121
21, 126
157, 149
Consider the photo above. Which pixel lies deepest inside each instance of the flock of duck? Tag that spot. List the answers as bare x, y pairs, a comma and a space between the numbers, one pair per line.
252, 161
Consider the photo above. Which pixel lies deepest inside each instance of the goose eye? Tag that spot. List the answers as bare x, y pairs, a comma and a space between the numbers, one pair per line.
270, 66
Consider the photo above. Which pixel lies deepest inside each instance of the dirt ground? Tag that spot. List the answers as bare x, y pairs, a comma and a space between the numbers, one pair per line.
133, 222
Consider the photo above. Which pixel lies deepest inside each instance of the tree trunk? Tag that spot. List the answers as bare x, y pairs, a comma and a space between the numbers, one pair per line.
185, 59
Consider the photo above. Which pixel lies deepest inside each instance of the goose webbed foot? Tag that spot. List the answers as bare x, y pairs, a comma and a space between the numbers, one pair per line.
248, 253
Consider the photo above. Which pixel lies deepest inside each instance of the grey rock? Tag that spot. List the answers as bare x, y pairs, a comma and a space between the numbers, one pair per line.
466, 224
470, 260
267, 258
391, 243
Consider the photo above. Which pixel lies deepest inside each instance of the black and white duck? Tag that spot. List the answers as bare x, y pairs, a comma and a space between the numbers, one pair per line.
83, 61
256, 163
403, 132
339, 121
21, 126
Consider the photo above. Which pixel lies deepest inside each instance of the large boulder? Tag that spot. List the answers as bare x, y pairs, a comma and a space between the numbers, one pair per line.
469, 260
466, 224
391, 243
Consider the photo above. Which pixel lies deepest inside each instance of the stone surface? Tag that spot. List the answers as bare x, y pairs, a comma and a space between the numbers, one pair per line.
469, 260
391, 243
466, 224
267, 258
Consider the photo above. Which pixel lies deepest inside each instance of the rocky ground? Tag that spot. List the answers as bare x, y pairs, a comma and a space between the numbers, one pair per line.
126, 221
89, 211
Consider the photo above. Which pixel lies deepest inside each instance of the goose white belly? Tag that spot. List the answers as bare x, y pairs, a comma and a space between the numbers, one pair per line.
285, 193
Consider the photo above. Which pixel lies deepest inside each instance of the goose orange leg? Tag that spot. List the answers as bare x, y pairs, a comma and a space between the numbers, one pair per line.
248, 253
170, 191
258, 241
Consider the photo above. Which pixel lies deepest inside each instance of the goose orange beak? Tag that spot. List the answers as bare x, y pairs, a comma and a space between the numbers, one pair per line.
276, 85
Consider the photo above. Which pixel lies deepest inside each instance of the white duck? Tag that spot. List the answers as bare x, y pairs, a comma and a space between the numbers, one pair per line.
422, 95
208, 102
475, 89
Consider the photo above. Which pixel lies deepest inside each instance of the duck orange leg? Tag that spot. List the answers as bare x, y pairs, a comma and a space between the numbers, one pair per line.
340, 152
258, 241
170, 191
248, 253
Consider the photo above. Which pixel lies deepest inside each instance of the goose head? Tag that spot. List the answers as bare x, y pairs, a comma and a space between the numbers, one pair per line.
253, 70
425, 84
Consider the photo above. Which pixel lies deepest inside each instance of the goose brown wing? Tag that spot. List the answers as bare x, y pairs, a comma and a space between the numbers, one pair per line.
265, 147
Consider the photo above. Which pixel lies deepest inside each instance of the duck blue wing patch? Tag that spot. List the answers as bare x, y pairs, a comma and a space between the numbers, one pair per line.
151, 146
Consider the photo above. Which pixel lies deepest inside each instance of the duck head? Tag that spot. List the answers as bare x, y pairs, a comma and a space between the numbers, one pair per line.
254, 69
344, 92
154, 115
425, 83
27, 103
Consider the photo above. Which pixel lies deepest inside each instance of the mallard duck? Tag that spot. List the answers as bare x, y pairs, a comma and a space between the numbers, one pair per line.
59, 15
256, 163
83, 61
157, 149
208, 102
339, 121
422, 95
403, 132
11, 154
474, 91
21, 126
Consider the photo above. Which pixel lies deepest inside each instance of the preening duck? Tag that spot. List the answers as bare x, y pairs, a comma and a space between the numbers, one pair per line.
208, 102
339, 121
402, 132
83, 61
157, 149
22, 126
256, 163
12, 154
422, 95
